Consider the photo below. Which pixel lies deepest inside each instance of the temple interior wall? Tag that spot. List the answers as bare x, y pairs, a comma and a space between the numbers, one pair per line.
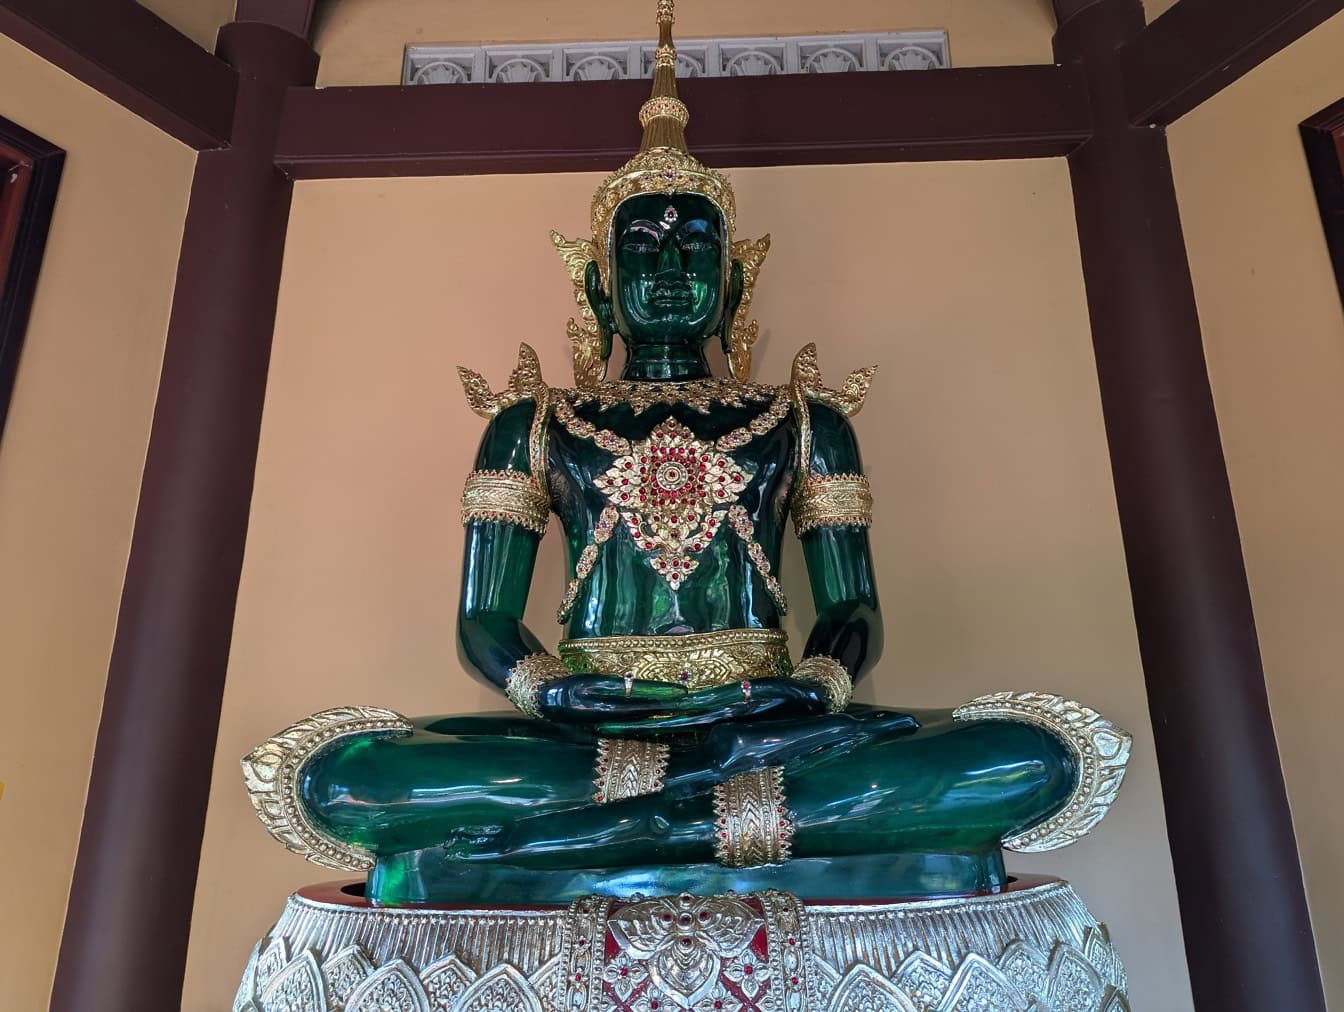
71, 457
997, 541
1274, 338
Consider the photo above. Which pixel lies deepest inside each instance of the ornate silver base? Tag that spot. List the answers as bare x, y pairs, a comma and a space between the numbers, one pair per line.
1032, 948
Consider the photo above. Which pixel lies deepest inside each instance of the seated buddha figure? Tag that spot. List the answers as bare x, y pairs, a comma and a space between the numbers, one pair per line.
674, 741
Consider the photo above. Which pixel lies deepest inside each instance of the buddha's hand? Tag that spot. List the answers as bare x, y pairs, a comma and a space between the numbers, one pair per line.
760, 699
595, 699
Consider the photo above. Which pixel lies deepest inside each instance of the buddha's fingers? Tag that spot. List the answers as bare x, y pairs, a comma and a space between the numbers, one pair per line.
638, 691
672, 723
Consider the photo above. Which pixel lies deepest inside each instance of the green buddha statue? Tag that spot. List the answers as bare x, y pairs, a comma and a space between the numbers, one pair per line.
674, 741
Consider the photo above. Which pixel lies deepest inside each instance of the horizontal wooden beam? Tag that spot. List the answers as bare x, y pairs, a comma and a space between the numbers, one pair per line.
134, 58
1199, 47
1001, 112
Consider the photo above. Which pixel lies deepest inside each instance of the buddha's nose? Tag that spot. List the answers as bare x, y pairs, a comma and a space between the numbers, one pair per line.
669, 259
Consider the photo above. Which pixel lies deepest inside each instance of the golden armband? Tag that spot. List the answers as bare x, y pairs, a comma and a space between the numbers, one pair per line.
509, 497
528, 676
831, 675
832, 500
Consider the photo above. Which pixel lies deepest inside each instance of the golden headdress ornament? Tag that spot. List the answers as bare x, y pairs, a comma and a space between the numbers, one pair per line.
664, 165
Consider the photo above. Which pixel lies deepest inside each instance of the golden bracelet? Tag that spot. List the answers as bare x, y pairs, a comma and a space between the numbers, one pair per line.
752, 825
509, 497
831, 675
628, 768
835, 500
528, 676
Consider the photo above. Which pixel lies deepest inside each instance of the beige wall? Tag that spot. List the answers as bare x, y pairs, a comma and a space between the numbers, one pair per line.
1154, 9
1274, 336
197, 19
361, 41
70, 462
997, 543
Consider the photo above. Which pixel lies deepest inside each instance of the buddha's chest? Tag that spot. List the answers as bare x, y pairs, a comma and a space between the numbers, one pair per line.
686, 485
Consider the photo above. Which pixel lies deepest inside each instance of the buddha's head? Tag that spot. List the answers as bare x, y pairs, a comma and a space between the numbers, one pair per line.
670, 280
662, 269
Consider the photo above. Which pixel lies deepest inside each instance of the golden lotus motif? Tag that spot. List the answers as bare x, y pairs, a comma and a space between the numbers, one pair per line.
668, 490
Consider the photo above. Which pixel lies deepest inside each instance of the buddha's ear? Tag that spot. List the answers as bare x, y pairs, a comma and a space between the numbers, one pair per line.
736, 285
600, 303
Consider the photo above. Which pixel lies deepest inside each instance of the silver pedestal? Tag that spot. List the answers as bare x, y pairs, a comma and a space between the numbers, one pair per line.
1032, 948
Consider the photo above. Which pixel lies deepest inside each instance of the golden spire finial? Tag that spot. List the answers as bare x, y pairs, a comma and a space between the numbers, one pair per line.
664, 116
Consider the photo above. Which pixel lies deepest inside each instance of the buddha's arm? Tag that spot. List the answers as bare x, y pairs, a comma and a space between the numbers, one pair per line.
833, 509
500, 554
505, 511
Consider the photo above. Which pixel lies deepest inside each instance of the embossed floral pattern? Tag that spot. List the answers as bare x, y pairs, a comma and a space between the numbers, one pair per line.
761, 952
668, 490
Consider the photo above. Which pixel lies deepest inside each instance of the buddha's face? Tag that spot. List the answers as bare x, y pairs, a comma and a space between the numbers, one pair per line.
668, 269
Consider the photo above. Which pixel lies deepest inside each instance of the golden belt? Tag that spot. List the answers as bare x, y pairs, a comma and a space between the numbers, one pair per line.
695, 660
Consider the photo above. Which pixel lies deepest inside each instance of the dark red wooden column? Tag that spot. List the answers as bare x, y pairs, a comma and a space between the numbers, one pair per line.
125, 941
1248, 937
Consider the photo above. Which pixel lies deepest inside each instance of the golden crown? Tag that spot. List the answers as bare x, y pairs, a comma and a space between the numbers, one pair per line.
664, 163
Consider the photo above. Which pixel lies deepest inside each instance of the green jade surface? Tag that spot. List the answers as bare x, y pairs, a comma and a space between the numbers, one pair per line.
500, 808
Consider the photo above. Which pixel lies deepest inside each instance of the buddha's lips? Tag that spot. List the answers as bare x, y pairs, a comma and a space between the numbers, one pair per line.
674, 296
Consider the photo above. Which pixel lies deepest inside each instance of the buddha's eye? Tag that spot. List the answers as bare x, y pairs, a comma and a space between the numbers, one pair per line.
638, 246
699, 246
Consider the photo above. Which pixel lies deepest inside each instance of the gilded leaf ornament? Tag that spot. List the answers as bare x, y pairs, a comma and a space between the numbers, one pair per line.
585, 340
525, 381
807, 380
751, 253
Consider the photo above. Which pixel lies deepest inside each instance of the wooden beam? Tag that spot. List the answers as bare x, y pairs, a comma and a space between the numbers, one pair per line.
1003, 112
1199, 47
129, 914
134, 58
1323, 141
1238, 879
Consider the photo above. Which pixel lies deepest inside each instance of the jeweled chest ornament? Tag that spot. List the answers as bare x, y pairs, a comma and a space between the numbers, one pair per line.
672, 491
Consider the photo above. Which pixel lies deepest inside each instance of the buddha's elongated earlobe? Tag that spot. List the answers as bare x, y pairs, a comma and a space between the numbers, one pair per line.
600, 303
